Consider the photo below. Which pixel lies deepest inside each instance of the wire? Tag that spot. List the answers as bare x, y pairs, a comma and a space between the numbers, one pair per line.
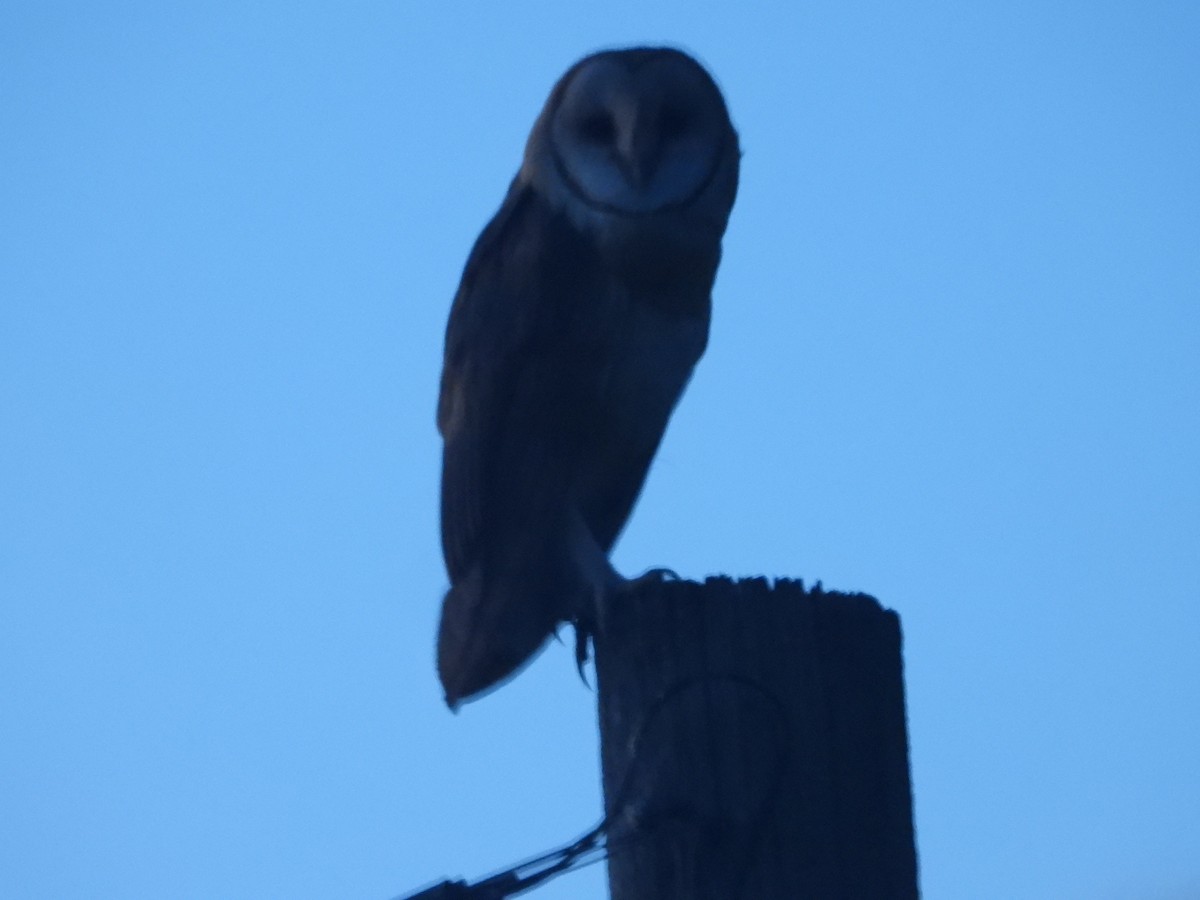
599, 843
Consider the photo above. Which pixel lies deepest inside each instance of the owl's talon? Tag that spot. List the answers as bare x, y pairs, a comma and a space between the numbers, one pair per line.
657, 575
582, 633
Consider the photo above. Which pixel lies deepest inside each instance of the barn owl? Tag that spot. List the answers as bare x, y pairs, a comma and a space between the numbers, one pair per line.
582, 310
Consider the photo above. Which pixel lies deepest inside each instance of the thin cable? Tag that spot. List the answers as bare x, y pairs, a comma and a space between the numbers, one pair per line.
600, 842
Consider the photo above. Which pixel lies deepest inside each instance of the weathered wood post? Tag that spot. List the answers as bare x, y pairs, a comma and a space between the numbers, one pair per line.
754, 744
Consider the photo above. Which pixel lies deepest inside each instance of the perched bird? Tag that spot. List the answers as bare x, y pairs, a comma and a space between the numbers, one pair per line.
583, 308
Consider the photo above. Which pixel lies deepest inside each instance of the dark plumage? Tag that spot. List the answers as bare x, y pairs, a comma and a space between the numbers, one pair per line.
571, 337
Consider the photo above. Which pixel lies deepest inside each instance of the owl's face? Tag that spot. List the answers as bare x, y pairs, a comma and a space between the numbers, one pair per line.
635, 133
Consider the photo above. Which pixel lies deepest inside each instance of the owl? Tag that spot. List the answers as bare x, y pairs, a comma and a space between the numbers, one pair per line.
582, 310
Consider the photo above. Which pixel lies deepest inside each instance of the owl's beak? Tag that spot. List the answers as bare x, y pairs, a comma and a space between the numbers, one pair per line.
638, 148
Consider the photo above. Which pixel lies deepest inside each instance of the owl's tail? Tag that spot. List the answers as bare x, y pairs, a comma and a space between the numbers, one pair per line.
488, 633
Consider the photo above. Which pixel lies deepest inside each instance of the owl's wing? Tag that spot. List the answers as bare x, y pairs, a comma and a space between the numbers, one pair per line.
481, 344
505, 411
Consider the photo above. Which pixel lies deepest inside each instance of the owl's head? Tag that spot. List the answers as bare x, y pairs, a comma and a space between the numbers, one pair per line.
635, 133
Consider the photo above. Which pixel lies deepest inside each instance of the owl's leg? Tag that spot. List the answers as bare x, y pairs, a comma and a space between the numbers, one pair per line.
600, 582
589, 616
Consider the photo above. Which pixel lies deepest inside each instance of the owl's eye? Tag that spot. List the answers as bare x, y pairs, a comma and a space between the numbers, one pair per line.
598, 128
672, 122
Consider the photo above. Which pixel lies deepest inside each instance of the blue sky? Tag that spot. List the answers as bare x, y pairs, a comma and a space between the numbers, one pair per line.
955, 363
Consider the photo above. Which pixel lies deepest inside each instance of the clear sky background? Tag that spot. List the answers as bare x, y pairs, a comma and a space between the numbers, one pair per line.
955, 363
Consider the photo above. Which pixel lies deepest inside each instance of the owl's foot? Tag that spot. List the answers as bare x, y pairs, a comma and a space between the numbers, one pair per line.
586, 622
653, 576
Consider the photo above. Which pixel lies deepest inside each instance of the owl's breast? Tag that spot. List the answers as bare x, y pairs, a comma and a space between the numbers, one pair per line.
649, 359
649, 366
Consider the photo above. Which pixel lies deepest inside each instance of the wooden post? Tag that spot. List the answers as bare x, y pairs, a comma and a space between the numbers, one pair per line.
754, 744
